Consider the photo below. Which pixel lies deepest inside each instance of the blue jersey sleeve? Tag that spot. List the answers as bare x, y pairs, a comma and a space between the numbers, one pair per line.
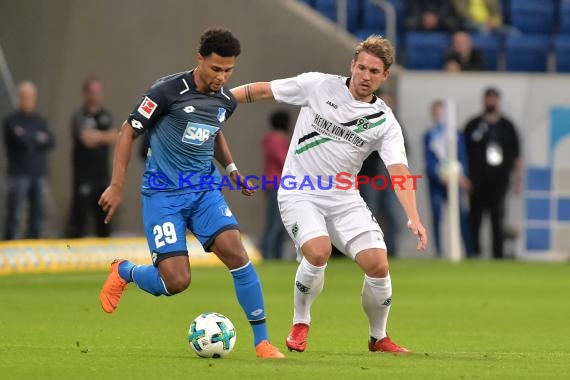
148, 110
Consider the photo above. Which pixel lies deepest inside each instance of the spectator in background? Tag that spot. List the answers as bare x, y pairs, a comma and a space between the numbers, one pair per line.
493, 153
431, 16
462, 56
92, 134
482, 16
436, 159
27, 140
383, 204
275, 145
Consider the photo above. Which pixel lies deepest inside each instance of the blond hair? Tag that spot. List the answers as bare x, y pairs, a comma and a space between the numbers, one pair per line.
379, 47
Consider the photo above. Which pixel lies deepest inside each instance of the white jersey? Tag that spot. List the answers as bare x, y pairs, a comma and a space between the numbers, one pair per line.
334, 134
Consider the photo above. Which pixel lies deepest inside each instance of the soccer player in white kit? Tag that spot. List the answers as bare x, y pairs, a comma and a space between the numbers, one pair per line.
340, 123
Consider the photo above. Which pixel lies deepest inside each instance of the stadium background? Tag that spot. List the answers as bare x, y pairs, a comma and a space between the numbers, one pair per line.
478, 319
128, 44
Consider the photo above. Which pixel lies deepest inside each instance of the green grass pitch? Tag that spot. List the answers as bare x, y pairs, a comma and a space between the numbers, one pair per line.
474, 320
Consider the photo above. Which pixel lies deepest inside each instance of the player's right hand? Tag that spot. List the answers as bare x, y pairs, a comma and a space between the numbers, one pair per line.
417, 228
110, 201
247, 187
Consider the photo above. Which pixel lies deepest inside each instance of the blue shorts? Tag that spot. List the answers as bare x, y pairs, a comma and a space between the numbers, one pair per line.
166, 218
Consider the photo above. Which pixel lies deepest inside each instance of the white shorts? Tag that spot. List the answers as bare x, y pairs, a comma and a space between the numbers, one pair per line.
347, 221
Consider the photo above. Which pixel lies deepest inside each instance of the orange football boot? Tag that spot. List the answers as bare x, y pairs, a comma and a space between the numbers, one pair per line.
266, 350
113, 288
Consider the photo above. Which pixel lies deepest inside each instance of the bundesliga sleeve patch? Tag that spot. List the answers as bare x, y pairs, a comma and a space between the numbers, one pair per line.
147, 107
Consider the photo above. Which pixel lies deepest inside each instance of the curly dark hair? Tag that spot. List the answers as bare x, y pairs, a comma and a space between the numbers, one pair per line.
220, 41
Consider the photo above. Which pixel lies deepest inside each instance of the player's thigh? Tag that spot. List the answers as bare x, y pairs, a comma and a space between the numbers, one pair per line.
211, 217
349, 220
165, 227
305, 223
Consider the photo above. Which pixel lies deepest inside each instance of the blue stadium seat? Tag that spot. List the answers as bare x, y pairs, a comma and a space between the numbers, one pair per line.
527, 53
533, 16
328, 8
374, 17
565, 17
425, 51
490, 47
374, 21
562, 51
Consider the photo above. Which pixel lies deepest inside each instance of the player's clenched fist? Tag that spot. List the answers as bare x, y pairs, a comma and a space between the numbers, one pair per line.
109, 201
247, 187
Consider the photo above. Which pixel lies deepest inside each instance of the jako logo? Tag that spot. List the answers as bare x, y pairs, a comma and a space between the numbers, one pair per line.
332, 104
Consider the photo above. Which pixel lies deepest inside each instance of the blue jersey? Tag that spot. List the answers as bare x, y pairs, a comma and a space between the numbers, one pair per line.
182, 123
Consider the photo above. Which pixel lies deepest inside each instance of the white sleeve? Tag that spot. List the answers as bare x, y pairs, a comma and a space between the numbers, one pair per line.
295, 90
391, 144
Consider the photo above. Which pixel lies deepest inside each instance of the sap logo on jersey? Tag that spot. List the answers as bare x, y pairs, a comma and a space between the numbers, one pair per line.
197, 134
147, 107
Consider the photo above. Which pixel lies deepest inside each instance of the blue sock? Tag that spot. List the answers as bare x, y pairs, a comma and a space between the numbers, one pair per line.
248, 292
125, 269
147, 277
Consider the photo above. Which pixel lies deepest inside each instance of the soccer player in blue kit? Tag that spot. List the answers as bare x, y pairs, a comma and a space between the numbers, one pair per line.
183, 113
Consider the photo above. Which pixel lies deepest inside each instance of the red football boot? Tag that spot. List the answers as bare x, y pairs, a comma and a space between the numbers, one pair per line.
297, 339
387, 345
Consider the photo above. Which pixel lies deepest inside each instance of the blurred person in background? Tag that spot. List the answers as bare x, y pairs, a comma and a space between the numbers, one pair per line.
493, 154
384, 203
481, 16
436, 159
462, 56
275, 145
431, 16
93, 134
27, 140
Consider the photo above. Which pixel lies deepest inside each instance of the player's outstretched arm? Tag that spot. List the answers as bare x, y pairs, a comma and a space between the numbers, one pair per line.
223, 155
252, 92
406, 194
112, 196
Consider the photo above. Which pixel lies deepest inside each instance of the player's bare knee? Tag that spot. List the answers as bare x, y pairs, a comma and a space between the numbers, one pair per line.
233, 259
317, 251
318, 259
177, 284
378, 271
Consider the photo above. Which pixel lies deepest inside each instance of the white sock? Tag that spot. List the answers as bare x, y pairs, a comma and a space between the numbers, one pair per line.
309, 283
376, 300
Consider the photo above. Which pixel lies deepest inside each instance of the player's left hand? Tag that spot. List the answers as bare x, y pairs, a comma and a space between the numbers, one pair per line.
247, 187
419, 230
